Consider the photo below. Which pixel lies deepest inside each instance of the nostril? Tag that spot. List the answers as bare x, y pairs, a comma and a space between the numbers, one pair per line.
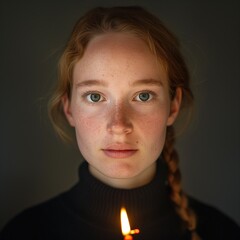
119, 122
119, 126
119, 129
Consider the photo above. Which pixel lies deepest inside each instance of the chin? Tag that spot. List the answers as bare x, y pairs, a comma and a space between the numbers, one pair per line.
120, 169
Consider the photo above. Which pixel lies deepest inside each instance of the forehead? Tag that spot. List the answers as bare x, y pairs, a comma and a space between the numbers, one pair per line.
113, 41
118, 54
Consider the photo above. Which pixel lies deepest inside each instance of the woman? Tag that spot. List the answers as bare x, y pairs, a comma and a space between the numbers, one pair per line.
122, 84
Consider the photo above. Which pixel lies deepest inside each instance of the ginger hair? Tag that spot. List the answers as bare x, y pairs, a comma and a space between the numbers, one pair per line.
179, 198
164, 45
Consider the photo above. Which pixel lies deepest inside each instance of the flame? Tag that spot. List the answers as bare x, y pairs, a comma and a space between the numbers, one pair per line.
126, 229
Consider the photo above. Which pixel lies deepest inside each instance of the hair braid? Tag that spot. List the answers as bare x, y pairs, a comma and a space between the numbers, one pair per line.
180, 199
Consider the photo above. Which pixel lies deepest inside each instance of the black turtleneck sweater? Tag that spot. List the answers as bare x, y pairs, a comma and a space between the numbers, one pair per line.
91, 210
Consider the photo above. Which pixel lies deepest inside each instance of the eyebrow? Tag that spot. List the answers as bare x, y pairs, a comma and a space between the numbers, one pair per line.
92, 82
149, 81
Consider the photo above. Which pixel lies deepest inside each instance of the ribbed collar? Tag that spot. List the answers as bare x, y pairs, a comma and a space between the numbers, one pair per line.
97, 201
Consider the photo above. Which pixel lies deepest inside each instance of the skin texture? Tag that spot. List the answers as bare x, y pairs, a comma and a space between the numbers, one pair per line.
120, 108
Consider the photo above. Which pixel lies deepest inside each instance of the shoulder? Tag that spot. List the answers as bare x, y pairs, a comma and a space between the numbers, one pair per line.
212, 223
34, 221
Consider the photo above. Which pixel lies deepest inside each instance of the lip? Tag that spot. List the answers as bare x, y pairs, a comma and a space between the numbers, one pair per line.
119, 151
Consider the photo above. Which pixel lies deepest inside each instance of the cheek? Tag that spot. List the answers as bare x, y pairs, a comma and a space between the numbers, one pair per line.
153, 130
87, 132
154, 123
87, 128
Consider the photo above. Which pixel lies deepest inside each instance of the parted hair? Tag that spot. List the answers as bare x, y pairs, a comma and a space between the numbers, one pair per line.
164, 45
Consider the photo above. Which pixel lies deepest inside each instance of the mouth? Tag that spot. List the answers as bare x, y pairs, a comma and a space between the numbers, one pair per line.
119, 150
119, 153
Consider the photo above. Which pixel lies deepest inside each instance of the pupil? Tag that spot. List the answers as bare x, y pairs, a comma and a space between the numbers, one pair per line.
144, 96
95, 97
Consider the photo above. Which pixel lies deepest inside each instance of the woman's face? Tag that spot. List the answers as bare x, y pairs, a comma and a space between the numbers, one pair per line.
120, 108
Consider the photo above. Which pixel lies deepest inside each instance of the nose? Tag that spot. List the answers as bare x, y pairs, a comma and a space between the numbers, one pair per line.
119, 120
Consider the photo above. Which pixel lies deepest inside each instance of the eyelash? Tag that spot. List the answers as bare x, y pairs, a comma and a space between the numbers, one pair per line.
151, 93
87, 95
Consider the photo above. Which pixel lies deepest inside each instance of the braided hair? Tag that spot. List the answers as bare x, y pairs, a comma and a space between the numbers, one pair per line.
177, 195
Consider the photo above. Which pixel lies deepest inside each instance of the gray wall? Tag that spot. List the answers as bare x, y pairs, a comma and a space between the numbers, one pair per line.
35, 165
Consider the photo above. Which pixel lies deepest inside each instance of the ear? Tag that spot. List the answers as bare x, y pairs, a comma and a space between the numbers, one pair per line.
175, 106
67, 110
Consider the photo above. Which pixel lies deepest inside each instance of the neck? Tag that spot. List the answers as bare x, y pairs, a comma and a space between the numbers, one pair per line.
129, 182
97, 200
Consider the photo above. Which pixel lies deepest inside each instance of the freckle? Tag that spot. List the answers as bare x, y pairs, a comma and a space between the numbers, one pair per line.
136, 142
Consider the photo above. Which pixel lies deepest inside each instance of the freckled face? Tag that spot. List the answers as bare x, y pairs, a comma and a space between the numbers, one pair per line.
120, 108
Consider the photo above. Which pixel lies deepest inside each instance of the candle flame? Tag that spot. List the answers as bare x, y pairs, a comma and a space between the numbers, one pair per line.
126, 229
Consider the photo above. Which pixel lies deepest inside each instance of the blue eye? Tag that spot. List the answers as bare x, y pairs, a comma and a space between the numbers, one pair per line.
143, 96
94, 97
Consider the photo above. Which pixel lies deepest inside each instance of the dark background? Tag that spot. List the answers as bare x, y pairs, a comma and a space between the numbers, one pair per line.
35, 165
